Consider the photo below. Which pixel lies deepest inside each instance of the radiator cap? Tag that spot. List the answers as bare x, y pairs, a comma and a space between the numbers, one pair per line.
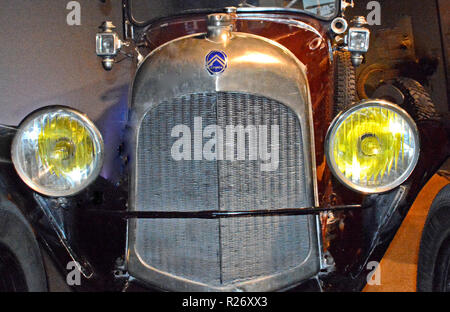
219, 26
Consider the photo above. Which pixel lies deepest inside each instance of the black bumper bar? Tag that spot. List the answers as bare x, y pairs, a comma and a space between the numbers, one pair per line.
214, 214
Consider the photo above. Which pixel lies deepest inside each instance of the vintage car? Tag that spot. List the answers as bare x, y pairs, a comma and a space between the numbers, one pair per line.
246, 162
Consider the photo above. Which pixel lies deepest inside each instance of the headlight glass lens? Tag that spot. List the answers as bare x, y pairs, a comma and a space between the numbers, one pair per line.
373, 147
57, 151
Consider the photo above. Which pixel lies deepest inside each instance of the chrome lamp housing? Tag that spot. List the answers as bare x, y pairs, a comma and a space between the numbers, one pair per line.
108, 44
373, 146
57, 151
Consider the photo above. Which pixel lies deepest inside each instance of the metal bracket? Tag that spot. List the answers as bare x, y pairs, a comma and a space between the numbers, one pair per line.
346, 4
84, 266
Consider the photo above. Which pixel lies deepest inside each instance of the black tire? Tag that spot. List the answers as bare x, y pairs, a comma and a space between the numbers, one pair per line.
345, 82
417, 102
21, 261
433, 269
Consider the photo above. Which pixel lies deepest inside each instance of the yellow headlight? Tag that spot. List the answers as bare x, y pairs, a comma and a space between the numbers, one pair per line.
373, 146
57, 151
65, 145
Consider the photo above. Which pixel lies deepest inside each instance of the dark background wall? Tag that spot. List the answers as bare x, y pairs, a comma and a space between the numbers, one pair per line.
430, 23
444, 14
45, 61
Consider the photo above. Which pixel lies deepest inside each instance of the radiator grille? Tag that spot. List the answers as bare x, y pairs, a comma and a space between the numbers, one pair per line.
226, 251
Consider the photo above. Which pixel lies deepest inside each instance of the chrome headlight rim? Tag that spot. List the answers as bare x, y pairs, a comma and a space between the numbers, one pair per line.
334, 126
96, 136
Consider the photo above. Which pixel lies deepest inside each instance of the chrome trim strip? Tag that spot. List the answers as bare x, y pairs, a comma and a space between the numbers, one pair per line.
289, 10
277, 19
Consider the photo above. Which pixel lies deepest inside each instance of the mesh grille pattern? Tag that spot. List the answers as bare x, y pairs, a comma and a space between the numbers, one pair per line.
225, 251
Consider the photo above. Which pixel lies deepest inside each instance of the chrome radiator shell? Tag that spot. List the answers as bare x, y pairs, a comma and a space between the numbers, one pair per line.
256, 66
